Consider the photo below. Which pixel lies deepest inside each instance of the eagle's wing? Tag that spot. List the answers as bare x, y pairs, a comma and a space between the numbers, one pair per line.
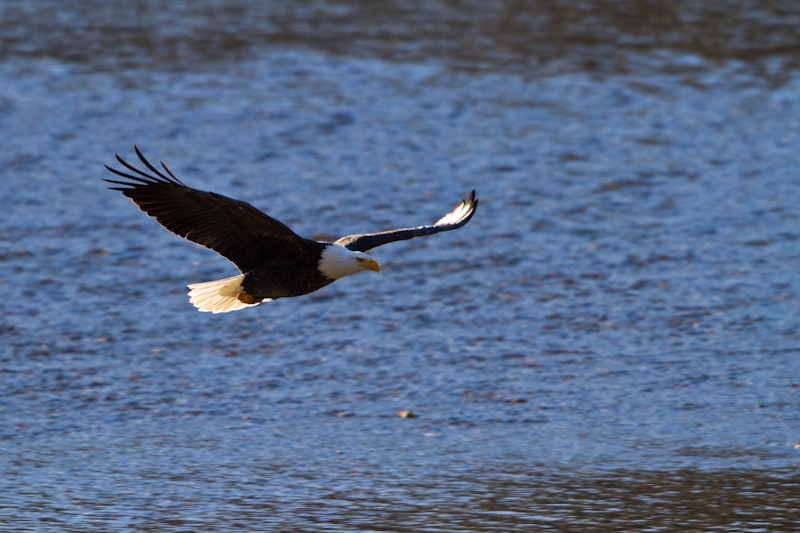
456, 218
236, 230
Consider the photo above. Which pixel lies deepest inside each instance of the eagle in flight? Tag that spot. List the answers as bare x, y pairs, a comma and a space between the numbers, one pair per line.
273, 261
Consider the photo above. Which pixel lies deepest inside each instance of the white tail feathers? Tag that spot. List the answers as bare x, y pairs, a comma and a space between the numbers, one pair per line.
219, 296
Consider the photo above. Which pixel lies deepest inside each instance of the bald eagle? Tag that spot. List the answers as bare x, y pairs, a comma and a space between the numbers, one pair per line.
273, 260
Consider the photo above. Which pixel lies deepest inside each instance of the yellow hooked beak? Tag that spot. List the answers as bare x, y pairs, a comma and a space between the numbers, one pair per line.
373, 265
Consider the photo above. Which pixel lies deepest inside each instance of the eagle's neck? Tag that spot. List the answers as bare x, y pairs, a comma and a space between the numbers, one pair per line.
337, 262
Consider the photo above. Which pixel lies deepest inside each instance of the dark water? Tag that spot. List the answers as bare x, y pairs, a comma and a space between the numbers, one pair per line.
610, 345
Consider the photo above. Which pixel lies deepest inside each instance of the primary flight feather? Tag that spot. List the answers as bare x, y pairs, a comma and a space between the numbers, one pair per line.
274, 261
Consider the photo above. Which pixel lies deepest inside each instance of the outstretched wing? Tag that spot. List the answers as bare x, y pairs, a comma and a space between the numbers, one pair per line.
456, 218
236, 230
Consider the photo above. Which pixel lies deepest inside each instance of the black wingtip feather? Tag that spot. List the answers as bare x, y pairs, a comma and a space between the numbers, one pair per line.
146, 178
176, 180
133, 169
153, 169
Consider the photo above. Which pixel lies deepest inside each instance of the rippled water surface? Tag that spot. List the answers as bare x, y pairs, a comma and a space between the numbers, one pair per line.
611, 344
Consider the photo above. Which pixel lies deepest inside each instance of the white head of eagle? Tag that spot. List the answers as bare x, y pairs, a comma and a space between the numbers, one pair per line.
273, 261
337, 262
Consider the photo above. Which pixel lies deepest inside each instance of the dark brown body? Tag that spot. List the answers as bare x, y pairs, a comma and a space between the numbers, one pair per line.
286, 274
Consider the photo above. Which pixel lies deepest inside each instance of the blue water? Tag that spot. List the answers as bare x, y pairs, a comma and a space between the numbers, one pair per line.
611, 344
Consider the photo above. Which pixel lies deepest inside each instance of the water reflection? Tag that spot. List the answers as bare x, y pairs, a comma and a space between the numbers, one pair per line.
164, 484
628, 500
543, 35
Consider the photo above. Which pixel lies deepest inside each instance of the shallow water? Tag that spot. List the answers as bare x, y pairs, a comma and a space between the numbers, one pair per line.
611, 344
